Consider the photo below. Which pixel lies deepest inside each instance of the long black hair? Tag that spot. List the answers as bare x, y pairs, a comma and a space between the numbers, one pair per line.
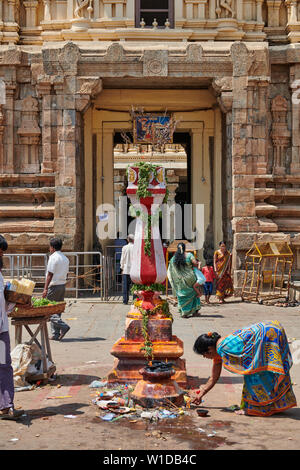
205, 341
179, 257
3, 247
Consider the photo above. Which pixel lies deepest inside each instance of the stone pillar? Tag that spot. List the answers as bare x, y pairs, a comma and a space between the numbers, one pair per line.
107, 9
223, 88
108, 175
47, 10
1, 11
29, 135
245, 111
60, 10
68, 221
259, 18
189, 8
9, 130
292, 11
1, 139
119, 9
173, 181
179, 20
70, 9
280, 134
295, 86
130, 10
31, 12
239, 10
212, 9
200, 191
273, 12
11, 11
44, 87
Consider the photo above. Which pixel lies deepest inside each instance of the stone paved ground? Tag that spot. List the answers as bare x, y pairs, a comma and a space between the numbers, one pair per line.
84, 355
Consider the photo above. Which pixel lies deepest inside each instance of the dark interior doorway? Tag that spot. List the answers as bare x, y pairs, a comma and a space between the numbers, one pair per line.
183, 192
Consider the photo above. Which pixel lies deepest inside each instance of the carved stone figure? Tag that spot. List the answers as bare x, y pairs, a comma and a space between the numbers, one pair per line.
226, 5
80, 5
280, 134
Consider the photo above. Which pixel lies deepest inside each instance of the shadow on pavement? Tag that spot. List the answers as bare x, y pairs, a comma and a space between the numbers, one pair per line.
65, 409
70, 380
81, 339
197, 381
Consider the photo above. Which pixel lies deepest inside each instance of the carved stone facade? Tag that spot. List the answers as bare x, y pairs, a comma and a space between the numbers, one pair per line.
239, 62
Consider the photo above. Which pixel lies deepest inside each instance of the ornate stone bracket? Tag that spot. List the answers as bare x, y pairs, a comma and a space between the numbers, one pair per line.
223, 90
88, 88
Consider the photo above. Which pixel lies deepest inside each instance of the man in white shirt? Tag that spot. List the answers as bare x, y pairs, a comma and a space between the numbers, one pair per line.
125, 265
55, 286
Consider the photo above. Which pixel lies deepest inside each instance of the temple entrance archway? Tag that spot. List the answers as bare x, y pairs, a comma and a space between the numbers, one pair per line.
199, 132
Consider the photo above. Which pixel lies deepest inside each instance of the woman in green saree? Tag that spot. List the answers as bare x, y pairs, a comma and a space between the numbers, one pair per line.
183, 278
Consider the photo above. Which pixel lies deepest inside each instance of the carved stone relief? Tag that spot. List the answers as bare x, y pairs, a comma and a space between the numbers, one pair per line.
80, 7
281, 135
29, 134
155, 63
225, 8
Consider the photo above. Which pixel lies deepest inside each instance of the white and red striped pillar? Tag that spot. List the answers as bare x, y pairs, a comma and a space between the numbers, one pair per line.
147, 268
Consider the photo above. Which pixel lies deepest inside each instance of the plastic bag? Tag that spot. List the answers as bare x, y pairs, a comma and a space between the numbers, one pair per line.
21, 357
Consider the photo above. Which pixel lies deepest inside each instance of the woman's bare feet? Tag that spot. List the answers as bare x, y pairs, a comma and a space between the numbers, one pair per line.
240, 412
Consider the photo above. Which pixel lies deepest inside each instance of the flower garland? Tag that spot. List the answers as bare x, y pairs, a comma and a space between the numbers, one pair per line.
156, 287
146, 170
163, 307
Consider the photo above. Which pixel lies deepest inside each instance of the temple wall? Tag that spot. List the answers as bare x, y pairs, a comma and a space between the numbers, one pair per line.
36, 21
61, 67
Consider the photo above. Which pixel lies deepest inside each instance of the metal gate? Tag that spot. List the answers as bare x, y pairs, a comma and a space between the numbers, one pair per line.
91, 274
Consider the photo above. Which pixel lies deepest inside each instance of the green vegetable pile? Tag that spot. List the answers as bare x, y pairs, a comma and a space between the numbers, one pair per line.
42, 302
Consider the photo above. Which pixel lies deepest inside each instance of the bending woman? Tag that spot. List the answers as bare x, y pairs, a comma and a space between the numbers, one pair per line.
183, 279
261, 354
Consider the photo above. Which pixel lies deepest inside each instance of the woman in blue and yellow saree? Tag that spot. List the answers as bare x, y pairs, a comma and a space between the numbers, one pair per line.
261, 354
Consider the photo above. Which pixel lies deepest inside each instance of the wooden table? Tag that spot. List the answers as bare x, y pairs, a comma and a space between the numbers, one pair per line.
43, 344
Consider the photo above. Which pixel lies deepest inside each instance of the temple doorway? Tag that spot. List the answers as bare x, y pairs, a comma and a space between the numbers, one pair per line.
175, 158
193, 161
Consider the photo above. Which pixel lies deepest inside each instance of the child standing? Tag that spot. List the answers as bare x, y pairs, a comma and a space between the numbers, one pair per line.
200, 281
210, 275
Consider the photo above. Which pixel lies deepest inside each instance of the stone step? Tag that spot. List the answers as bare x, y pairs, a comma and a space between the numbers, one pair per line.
30, 179
45, 210
287, 210
28, 225
277, 179
268, 192
264, 209
33, 194
288, 225
266, 225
